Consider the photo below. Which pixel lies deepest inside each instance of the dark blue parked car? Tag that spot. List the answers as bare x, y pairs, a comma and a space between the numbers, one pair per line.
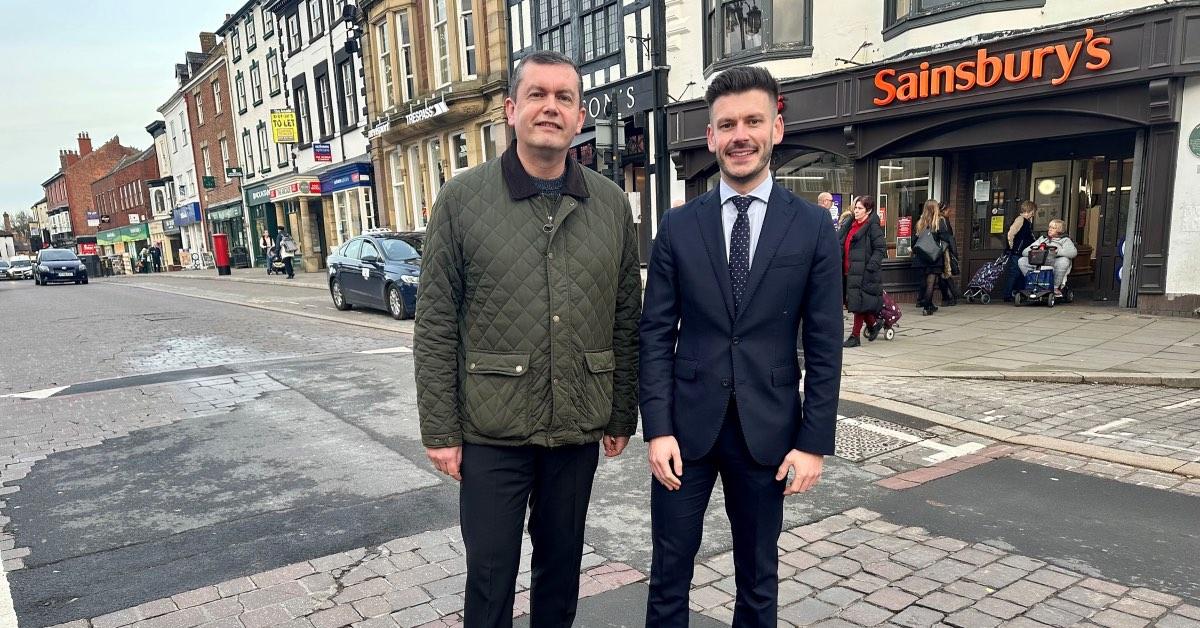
379, 269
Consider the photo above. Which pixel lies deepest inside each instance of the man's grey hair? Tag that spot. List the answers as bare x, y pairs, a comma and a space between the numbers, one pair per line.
542, 57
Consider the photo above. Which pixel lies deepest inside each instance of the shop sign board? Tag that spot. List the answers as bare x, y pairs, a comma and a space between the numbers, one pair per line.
258, 195
186, 215
379, 129
984, 70
93, 219
322, 152
628, 97
283, 126
432, 111
209, 182
87, 248
297, 188
234, 172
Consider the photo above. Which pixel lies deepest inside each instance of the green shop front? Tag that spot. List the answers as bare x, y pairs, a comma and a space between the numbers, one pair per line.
262, 220
227, 218
120, 247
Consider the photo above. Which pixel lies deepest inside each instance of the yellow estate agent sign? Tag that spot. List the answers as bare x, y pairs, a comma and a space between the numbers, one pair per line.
283, 126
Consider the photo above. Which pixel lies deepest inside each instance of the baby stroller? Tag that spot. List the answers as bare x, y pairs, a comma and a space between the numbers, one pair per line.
981, 285
1039, 283
889, 315
275, 262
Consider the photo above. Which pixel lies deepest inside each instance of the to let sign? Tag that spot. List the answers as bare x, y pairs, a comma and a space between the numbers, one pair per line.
283, 126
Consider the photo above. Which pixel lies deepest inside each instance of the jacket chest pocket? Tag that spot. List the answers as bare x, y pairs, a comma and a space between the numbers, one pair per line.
495, 393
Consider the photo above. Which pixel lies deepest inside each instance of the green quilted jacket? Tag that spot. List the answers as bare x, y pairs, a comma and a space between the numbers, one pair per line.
526, 326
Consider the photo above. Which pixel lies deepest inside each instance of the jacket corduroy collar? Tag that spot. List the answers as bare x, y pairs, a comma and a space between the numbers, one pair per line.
520, 184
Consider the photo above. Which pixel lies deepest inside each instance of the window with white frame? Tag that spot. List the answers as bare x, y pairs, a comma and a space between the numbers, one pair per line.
437, 169
273, 78
293, 33
324, 106
349, 94
458, 152
491, 140
601, 29
248, 152
408, 81
256, 83
235, 44
554, 31
224, 148
305, 127
441, 44
264, 148
216, 92
174, 138
251, 36
268, 26
736, 28
316, 19
183, 126
416, 191
520, 16
399, 201
387, 85
281, 152
239, 85
466, 39
206, 161
199, 99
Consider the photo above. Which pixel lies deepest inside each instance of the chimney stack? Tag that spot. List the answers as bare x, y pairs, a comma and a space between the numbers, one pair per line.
67, 158
7, 222
85, 144
208, 41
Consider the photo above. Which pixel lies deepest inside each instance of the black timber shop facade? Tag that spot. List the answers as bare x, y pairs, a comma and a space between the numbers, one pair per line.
1097, 150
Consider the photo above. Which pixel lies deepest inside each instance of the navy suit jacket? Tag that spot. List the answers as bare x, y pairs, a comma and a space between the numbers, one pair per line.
695, 352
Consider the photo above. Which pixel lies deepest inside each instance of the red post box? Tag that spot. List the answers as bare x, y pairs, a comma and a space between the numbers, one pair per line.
221, 252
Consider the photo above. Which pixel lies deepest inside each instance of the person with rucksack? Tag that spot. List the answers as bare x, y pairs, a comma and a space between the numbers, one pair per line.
287, 250
929, 251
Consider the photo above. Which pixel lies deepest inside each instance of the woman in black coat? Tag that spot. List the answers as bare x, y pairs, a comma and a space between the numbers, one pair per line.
863, 250
932, 220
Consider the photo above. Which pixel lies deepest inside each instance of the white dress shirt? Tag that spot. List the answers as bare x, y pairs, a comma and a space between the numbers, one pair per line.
756, 213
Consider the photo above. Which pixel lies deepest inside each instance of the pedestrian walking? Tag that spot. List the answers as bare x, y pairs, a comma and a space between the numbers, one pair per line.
525, 346
951, 268
731, 275
864, 249
931, 267
287, 250
1020, 236
156, 255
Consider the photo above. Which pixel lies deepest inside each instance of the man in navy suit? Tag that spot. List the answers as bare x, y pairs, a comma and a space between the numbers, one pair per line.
732, 275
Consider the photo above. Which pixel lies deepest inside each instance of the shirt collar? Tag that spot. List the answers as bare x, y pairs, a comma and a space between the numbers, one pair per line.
762, 192
520, 184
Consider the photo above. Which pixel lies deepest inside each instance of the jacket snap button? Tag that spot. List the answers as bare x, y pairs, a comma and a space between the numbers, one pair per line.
736, 340
724, 383
518, 369
472, 366
554, 318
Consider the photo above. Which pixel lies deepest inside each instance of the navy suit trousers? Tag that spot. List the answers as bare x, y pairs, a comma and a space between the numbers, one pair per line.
754, 504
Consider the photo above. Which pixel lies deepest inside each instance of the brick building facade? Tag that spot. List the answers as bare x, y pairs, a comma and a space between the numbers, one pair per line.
123, 196
70, 189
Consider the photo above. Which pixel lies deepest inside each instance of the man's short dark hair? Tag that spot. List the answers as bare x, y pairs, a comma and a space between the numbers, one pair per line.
542, 57
741, 79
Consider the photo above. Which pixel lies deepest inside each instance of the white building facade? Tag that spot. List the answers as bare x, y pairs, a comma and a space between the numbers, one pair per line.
187, 213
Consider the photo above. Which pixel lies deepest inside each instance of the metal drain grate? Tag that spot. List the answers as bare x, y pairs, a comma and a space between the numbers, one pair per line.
862, 437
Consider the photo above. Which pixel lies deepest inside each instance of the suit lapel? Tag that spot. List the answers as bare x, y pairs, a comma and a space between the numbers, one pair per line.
713, 234
780, 214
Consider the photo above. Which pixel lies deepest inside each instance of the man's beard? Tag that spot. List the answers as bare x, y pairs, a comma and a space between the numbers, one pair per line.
763, 163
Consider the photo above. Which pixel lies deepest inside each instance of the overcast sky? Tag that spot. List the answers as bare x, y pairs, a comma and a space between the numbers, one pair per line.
100, 66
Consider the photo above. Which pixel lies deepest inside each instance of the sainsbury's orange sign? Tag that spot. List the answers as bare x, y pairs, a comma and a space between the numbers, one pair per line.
986, 70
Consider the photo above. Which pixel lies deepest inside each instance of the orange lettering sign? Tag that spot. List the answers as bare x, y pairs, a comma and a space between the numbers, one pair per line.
986, 70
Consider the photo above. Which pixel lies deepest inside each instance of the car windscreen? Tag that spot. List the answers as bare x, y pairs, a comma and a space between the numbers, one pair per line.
398, 249
3, 264
59, 256
21, 263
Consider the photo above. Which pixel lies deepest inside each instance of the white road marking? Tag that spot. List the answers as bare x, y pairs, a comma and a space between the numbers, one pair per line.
44, 393
387, 350
8, 615
945, 452
1095, 431
1181, 404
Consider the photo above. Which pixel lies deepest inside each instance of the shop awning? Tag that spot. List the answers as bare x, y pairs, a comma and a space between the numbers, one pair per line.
130, 233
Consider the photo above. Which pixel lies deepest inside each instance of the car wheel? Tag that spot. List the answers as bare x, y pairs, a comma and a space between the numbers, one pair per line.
1050, 300
395, 302
85, 280
1018, 298
339, 297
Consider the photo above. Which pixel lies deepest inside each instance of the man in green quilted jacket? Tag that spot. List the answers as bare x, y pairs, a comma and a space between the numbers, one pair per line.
526, 346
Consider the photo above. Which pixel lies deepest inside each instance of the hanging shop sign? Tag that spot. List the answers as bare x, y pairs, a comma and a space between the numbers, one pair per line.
283, 126
322, 152
432, 111
1194, 141
93, 219
985, 70
187, 215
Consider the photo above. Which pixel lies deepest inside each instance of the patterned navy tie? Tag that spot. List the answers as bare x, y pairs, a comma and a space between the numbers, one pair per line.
739, 249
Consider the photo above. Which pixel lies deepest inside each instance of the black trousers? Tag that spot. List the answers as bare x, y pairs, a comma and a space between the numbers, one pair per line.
754, 504
287, 266
498, 485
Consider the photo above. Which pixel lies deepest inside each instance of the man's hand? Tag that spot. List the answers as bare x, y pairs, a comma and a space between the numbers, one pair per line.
614, 445
665, 462
447, 460
807, 471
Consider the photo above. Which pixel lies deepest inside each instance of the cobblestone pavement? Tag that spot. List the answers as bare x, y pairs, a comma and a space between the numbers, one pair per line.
1153, 420
850, 569
72, 334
